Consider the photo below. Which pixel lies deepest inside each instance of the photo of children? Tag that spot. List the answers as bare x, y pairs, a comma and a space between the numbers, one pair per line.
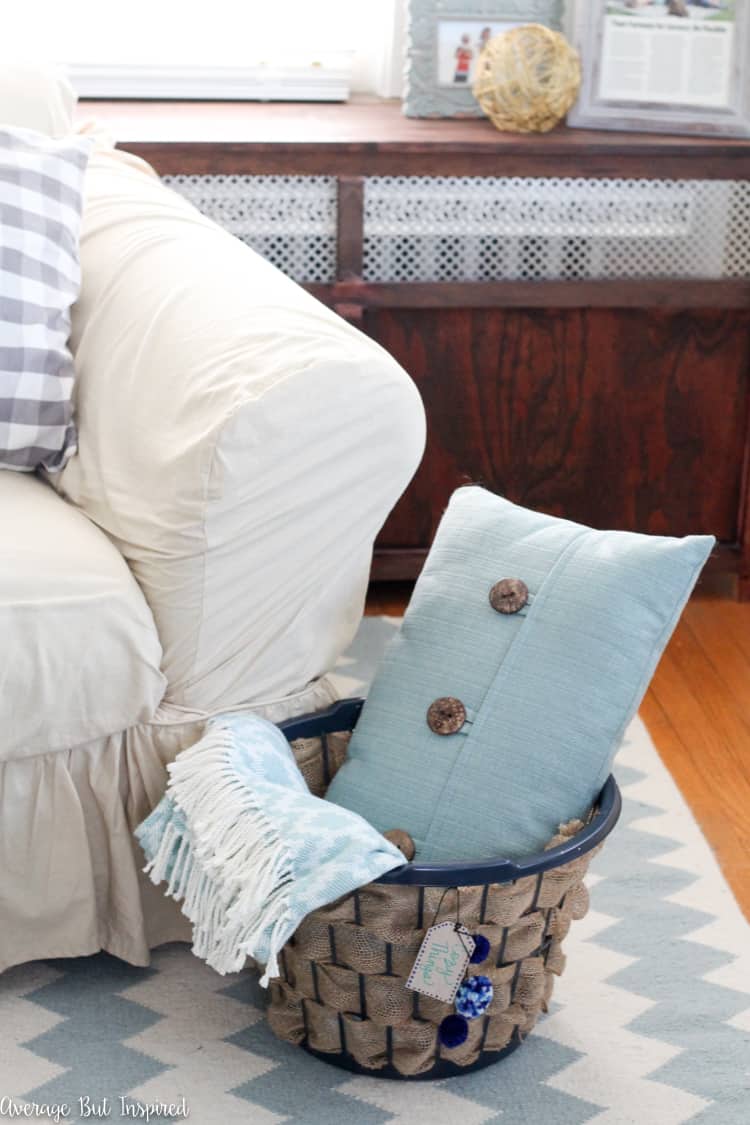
460, 43
464, 55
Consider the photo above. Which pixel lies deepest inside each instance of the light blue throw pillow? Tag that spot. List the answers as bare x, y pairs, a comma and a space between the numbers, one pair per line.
537, 692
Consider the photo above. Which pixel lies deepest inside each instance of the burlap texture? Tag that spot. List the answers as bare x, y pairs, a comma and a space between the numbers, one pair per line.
342, 984
319, 759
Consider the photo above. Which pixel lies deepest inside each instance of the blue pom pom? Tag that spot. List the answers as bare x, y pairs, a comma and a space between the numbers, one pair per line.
474, 997
453, 1031
481, 949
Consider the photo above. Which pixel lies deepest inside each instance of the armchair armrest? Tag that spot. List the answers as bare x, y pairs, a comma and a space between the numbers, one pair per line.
239, 442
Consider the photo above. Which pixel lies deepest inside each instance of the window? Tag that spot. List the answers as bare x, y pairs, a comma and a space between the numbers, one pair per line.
216, 48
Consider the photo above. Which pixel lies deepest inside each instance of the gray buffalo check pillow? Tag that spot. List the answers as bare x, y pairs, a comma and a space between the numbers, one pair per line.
41, 195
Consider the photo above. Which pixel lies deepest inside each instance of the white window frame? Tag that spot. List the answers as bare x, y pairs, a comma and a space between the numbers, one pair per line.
373, 66
329, 81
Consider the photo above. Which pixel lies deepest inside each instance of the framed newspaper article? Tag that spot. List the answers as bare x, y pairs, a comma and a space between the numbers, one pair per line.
665, 66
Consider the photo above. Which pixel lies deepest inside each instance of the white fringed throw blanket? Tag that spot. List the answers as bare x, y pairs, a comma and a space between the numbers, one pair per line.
240, 839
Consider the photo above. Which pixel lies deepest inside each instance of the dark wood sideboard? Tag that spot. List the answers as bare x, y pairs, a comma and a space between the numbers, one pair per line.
620, 402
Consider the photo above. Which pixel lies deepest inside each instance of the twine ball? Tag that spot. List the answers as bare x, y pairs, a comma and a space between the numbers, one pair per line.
527, 79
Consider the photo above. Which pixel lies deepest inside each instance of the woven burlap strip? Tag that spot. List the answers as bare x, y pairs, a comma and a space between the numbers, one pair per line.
500, 1031
343, 990
362, 950
365, 1041
319, 761
284, 1013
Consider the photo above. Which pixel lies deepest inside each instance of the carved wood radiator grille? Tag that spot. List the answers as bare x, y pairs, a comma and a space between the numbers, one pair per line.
433, 229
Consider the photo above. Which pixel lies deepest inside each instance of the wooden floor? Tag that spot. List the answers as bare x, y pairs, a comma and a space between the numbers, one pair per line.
697, 711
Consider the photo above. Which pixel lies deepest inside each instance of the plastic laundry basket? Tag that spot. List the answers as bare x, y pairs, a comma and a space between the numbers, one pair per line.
341, 994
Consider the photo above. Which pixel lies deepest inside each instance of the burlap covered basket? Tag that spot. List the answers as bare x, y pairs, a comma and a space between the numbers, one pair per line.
341, 994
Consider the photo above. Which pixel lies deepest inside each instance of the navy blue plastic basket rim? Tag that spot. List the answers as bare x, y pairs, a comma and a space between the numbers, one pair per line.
344, 715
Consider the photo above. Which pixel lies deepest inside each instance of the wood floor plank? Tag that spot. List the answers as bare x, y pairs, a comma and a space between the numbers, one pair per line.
722, 628
652, 711
702, 709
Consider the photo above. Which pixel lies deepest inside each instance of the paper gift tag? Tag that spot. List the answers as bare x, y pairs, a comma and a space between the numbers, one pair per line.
442, 961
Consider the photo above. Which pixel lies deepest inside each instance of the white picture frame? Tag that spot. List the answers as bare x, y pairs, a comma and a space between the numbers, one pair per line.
684, 108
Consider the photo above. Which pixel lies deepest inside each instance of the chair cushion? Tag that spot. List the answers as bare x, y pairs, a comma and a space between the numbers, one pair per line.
80, 654
536, 694
239, 442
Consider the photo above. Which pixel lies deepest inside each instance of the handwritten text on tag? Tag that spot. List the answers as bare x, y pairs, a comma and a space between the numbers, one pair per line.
442, 961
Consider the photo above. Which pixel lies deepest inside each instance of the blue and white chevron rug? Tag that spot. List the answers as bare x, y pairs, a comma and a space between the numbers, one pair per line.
650, 1024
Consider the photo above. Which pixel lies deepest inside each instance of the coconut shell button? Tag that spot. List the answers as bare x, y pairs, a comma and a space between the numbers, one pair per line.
509, 595
446, 715
402, 840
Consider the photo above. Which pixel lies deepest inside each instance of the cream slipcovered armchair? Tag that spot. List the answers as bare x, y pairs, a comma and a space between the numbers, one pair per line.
206, 550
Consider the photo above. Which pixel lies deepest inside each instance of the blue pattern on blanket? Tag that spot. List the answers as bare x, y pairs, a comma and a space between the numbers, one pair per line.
248, 849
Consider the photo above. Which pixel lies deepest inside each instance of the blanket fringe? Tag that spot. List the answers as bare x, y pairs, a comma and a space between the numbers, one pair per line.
232, 870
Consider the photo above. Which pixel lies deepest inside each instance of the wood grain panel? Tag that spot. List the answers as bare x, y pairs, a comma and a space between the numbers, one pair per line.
619, 418
614, 293
372, 136
349, 231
